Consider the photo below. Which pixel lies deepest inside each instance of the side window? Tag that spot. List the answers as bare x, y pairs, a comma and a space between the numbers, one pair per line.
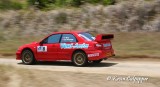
68, 38
52, 39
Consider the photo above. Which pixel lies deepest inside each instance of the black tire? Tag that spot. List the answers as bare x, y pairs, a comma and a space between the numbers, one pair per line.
28, 57
97, 61
79, 58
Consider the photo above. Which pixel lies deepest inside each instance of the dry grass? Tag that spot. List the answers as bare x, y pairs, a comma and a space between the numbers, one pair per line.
132, 15
137, 44
125, 16
11, 46
133, 44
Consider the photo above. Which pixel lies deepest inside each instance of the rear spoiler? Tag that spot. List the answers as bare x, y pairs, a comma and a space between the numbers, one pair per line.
103, 37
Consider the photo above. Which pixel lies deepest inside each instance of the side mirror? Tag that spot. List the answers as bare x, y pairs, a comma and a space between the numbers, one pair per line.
41, 43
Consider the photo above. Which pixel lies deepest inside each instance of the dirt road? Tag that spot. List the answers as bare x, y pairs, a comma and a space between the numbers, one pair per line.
116, 67
95, 73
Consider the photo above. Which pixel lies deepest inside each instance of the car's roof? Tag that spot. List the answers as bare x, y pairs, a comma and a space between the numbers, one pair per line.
69, 32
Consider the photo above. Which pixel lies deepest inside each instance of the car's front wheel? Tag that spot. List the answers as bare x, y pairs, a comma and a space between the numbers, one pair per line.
79, 58
28, 57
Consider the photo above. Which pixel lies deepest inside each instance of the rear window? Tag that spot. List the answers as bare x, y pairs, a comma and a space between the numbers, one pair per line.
87, 36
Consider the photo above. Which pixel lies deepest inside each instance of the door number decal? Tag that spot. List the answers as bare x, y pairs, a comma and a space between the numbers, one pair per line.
41, 48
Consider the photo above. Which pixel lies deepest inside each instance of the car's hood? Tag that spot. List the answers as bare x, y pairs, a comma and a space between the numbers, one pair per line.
32, 43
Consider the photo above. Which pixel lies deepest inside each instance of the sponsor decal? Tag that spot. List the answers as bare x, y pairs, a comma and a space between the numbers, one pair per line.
41, 48
70, 46
107, 45
67, 39
93, 55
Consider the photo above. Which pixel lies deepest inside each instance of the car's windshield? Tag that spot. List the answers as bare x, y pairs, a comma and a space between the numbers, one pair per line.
87, 36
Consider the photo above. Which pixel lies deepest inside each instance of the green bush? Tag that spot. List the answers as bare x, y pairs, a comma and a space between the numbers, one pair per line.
38, 3
9, 4
104, 2
76, 3
63, 3
49, 4
109, 2
93, 1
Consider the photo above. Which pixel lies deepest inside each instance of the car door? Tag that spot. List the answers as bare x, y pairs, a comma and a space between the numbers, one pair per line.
67, 40
48, 48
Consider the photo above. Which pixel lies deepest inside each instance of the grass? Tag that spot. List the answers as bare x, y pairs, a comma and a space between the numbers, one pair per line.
125, 44
48, 4
137, 44
12, 4
10, 46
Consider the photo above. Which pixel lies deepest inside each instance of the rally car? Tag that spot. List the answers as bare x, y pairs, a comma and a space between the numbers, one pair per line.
77, 46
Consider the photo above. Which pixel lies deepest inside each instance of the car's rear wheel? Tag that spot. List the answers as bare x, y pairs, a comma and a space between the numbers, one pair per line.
79, 58
97, 61
28, 57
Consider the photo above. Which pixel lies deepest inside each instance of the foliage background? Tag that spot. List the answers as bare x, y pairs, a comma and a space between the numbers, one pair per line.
136, 24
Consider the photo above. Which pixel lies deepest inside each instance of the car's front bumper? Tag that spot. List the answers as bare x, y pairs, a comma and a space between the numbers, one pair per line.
18, 55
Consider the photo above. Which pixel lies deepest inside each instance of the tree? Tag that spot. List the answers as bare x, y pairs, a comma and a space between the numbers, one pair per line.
40, 3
